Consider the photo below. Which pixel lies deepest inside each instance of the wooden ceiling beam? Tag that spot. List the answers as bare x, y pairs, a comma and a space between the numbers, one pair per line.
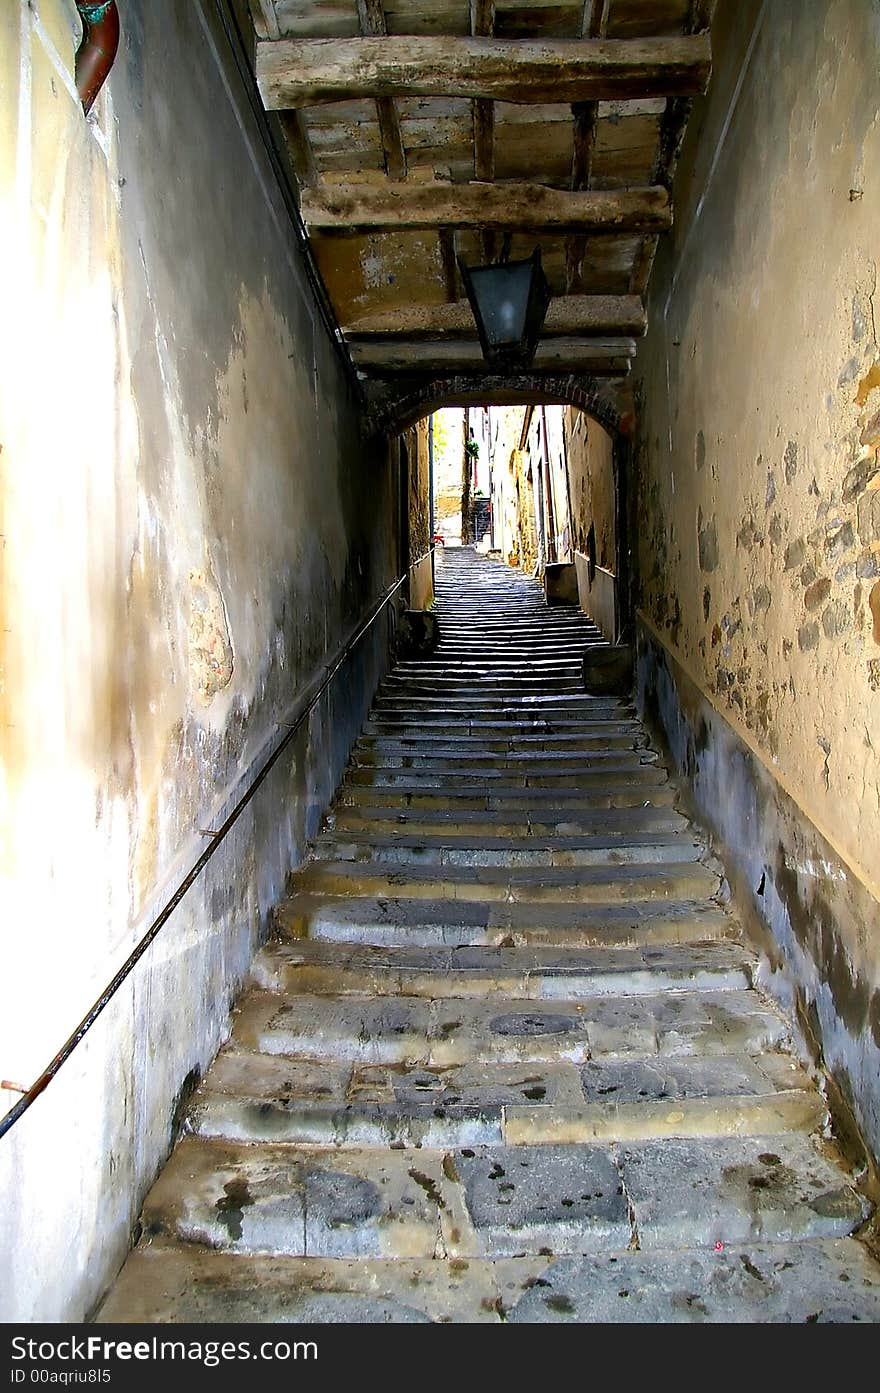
483, 117
553, 355
673, 126
265, 11
584, 117
568, 314
449, 258
350, 207
371, 17
302, 156
307, 72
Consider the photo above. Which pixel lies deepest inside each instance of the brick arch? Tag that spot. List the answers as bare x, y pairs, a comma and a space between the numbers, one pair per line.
395, 404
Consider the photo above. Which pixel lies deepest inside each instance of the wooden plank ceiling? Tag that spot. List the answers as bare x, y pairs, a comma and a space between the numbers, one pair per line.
425, 130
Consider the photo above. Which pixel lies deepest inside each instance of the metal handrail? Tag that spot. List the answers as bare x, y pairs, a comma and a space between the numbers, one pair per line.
30, 1096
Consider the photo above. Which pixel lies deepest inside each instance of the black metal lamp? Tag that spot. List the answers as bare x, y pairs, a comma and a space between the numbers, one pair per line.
509, 301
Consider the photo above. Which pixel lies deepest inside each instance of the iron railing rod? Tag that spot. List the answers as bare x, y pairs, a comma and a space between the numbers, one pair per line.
20, 1108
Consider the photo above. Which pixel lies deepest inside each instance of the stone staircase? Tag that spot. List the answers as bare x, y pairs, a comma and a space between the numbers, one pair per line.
505, 1060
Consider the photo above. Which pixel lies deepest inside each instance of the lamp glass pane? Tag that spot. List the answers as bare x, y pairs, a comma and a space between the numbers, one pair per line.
502, 293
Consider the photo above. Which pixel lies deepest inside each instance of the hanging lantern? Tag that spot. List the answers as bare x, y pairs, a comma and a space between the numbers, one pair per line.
509, 301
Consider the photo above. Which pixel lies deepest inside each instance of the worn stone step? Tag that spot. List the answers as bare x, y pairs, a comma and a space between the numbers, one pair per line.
464, 745
447, 1031
615, 755
613, 822
606, 884
441, 729
539, 647
433, 718
524, 683
481, 692
499, 1201
624, 793
385, 921
523, 732
529, 642
488, 707
446, 670
756, 1283
316, 966
638, 773
447, 849
447, 660
436, 688
254, 1097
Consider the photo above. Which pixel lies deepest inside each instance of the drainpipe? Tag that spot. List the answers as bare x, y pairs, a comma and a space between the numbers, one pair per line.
95, 55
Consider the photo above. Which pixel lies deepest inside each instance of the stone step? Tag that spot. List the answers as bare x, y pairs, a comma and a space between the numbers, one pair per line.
500, 1201
463, 744
477, 651
612, 754
562, 663
438, 688
446, 849
448, 658
253, 1097
386, 921
440, 729
501, 720
607, 884
319, 967
474, 647
448, 1031
746, 1284
454, 630
414, 709
526, 704
515, 764
551, 822
618, 793
458, 631
489, 679
610, 777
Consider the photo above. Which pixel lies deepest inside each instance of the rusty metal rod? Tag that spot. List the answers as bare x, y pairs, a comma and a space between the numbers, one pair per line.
88, 1020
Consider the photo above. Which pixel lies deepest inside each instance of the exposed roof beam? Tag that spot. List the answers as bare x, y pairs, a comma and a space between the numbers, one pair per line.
642, 265
371, 17
568, 314
673, 126
347, 207
266, 11
296, 137
553, 355
306, 72
483, 117
451, 275
585, 115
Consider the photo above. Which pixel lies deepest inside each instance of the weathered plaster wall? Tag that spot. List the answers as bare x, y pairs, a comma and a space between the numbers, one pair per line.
589, 448
758, 496
192, 526
421, 580
506, 424
448, 444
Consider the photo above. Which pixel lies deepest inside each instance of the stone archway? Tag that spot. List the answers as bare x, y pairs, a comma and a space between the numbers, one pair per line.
393, 404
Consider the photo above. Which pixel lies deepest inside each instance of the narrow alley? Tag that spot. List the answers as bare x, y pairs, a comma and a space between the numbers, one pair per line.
439, 668
506, 1060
